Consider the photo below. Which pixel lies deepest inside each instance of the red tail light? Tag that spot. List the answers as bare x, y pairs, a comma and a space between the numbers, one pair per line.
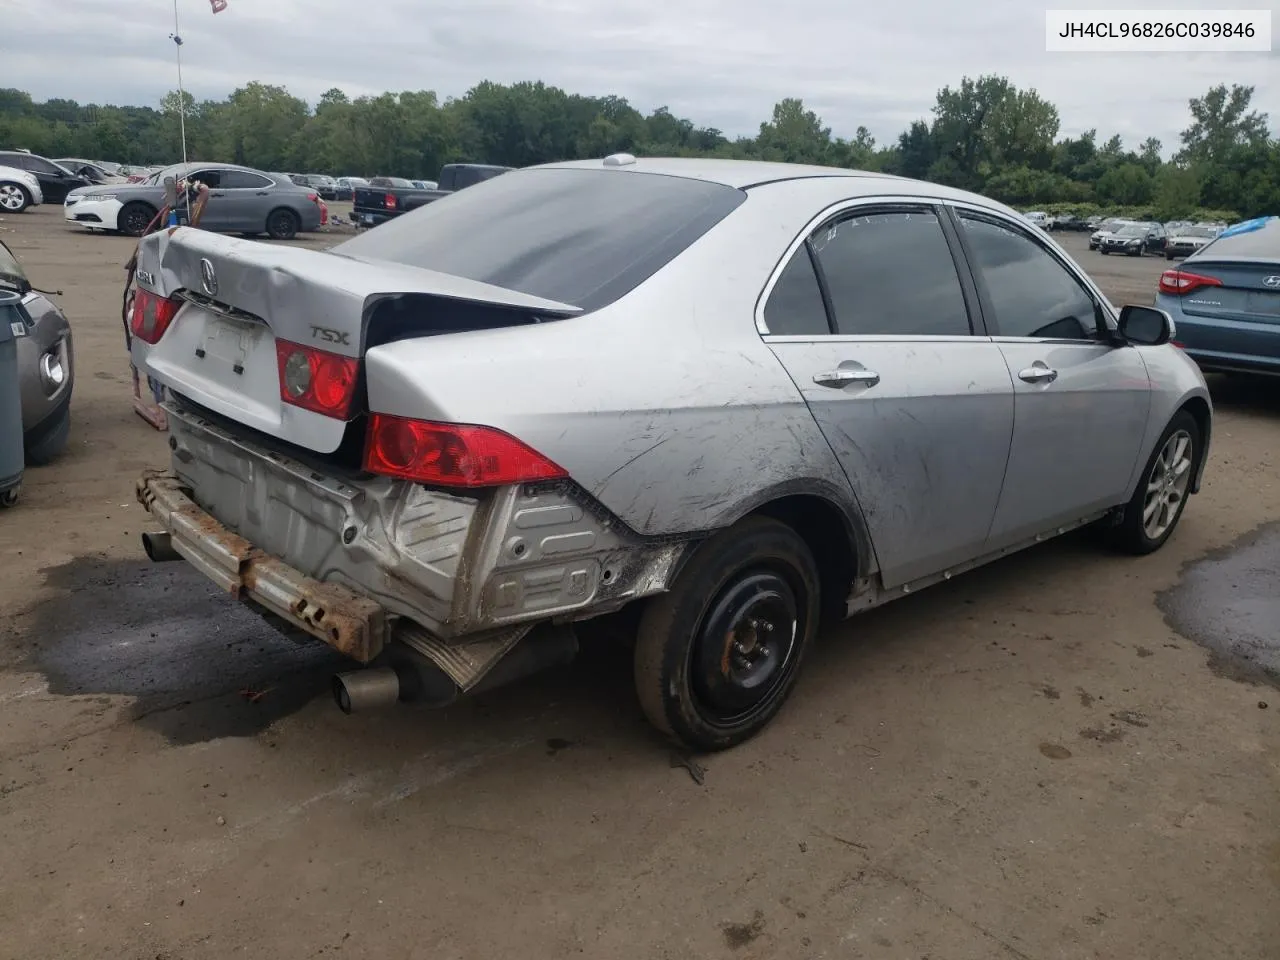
389, 201
151, 316
316, 380
452, 454
1179, 282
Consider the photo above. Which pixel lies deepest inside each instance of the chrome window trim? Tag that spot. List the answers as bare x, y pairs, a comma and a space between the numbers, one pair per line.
832, 210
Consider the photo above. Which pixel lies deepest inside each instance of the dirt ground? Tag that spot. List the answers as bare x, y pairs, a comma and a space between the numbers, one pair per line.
1027, 762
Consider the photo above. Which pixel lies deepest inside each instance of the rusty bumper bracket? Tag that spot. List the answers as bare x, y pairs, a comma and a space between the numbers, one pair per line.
352, 624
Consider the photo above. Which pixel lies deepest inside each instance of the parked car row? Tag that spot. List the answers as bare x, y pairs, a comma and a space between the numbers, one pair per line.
385, 198
241, 200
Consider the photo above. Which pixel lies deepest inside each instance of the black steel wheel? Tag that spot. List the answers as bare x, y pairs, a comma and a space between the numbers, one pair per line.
134, 218
718, 654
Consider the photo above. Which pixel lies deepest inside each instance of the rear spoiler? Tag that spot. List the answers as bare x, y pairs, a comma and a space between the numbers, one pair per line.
298, 290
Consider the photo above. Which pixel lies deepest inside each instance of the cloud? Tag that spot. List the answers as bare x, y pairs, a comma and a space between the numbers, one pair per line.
721, 63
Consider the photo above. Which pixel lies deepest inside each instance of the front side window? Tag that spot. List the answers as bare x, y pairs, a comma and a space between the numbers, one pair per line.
1032, 294
891, 273
210, 178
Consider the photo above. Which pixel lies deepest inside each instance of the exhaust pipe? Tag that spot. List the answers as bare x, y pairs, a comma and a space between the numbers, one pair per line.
410, 676
366, 689
159, 547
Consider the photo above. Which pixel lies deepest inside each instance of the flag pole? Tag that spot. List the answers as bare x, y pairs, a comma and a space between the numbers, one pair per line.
182, 96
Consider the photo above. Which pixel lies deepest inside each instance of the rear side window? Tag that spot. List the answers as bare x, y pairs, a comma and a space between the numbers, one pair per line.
891, 273
584, 237
795, 306
244, 180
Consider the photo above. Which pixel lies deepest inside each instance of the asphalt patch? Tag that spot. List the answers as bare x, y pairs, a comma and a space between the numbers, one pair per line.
199, 664
1228, 602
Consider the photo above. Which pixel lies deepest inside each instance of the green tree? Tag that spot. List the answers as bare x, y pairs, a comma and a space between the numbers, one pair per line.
1221, 121
794, 134
1128, 185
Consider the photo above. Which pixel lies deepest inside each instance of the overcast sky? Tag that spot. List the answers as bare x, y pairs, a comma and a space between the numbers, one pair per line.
721, 63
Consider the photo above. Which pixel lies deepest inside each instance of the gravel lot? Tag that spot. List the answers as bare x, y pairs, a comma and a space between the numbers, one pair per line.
1027, 762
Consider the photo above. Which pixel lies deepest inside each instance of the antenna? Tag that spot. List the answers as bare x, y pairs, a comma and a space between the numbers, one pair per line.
176, 37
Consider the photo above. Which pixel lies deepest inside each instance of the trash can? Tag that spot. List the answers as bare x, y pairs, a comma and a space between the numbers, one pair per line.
13, 325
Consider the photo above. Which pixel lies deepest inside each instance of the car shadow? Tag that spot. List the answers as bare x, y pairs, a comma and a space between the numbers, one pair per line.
201, 666
1245, 392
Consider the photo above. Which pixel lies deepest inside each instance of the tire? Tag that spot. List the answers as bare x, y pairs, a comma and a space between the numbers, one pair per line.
134, 218
14, 197
1103, 252
1168, 256
10, 497
1132, 534
50, 441
282, 224
706, 672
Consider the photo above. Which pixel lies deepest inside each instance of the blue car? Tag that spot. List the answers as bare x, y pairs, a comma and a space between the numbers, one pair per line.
1225, 299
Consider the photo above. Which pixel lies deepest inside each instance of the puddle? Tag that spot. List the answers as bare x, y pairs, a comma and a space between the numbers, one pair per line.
200, 665
1229, 603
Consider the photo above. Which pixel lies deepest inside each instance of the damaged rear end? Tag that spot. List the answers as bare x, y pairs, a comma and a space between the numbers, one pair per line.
451, 555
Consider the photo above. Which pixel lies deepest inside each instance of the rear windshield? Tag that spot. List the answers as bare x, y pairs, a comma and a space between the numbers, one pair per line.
584, 237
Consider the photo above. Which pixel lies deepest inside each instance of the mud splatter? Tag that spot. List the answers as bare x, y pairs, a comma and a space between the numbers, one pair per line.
1114, 735
1131, 717
738, 935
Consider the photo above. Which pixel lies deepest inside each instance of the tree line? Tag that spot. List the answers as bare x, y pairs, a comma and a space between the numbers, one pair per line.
984, 135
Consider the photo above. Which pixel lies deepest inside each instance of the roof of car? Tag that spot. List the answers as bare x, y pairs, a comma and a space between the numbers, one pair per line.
744, 174
731, 173
1251, 240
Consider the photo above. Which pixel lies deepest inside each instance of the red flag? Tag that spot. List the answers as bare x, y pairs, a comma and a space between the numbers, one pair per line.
218, 5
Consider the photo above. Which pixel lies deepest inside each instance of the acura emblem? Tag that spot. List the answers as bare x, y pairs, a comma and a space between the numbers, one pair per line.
1273, 281
209, 279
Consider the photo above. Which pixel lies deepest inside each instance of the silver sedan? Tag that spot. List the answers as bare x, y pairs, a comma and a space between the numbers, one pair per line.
729, 397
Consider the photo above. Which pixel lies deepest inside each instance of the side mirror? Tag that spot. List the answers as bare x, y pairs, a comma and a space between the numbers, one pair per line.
1146, 326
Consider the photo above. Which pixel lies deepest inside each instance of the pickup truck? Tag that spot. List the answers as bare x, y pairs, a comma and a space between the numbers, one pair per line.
388, 197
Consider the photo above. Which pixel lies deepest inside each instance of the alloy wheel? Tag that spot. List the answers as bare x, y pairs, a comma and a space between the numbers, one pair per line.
11, 197
1167, 485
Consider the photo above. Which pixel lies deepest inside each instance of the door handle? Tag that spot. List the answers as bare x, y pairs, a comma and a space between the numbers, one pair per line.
843, 377
217, 193
1038, 372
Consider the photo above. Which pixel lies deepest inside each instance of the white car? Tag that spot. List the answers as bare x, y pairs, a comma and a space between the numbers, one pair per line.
97, 211
18, 190
1038, 217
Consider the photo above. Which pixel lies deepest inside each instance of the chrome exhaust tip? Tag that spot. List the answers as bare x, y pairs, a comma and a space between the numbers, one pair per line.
159, 547
367, 689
